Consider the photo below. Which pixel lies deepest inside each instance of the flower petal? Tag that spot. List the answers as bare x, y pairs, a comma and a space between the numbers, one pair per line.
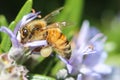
63, 59
98, 37
100, 55
85, 70
36, 43
70, 68
79, 77
69, 78
103, 69
93, 76
83, 33
12, 36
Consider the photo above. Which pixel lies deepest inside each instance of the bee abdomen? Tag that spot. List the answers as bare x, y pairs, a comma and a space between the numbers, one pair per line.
67, 50
59, 42
63, 46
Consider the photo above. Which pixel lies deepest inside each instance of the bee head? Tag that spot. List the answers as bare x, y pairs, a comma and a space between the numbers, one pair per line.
31, 29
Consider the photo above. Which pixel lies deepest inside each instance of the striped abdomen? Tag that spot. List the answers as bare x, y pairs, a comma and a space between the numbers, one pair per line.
59, 42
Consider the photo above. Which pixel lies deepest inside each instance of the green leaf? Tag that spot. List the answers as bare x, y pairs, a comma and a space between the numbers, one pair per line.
40, 77
35, 61
72, 10
3, 21
27, 7
6, 43
49, 62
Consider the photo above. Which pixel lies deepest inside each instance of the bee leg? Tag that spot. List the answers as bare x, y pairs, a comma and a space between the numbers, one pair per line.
46, 51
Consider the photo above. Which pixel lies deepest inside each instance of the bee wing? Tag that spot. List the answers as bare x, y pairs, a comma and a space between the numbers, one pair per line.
58, 25
50, 17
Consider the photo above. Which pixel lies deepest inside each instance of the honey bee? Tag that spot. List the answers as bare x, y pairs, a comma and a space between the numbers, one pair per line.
40, 29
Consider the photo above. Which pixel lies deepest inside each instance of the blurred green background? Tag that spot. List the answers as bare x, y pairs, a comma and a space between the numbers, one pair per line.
103, 14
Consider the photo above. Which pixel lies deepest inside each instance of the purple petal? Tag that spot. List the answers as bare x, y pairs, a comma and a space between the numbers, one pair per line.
98, 37
76, 59
102, 69
83, 33
27, 18
70, 64
85, 70
18, 36
93, 59
88, 74
88, 50
74, 62
94, 31
99, 55
12, 36
79, 77
92, 76
70, 68
63, 59
69, 78
36, 43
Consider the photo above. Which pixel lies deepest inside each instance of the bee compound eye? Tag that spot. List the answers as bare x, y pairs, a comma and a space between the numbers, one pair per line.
25, 32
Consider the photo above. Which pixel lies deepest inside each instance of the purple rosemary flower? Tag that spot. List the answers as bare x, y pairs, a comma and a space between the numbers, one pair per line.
18, 53
18, 49
88, 55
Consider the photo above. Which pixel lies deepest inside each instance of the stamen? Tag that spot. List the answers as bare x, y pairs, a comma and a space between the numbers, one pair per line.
39, 16
33, 11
